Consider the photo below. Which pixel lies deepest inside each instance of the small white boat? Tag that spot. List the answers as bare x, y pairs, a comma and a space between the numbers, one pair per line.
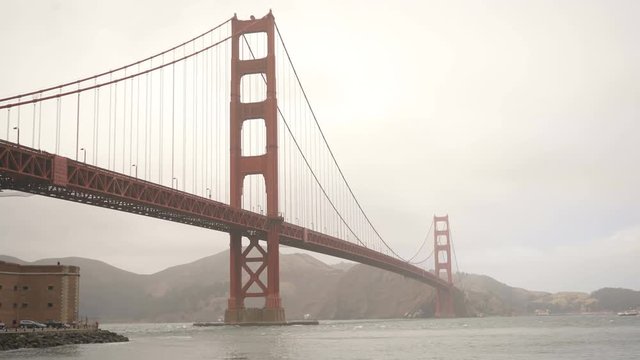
628, 313
545, 312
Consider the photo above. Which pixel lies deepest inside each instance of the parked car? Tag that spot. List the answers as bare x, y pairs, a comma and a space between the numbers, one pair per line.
2, 326
30, 324
56, 324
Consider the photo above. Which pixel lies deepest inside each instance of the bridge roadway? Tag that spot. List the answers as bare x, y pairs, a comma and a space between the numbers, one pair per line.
29, 170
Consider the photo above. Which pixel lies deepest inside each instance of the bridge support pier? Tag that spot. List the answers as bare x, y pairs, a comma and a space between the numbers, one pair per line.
251, 262
444, 304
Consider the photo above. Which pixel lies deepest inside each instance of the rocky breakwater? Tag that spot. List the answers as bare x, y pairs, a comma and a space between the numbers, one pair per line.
41, 339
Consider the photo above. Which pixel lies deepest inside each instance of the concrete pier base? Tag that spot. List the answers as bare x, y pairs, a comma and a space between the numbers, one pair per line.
267, 316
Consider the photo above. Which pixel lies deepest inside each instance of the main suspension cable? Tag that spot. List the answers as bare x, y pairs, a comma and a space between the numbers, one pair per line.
426, 239
113, 81
120, 68
329, 148
455, 258
305, 158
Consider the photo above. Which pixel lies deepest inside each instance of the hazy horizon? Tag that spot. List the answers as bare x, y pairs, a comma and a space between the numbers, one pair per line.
324, 259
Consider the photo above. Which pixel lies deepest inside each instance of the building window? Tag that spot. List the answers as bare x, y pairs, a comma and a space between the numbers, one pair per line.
50, 305
50, 287
0, 287
15, 305
15, 288
25, 287
0, 305
24, 305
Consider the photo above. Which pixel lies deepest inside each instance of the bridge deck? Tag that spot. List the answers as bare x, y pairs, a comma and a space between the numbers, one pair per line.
33, 171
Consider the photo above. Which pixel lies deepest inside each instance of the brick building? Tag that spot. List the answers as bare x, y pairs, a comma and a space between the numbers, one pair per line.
38, 292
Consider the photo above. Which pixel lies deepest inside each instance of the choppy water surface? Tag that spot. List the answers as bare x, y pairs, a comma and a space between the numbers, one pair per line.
553, 337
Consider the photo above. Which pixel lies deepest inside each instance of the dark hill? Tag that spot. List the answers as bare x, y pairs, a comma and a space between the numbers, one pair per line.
617, 299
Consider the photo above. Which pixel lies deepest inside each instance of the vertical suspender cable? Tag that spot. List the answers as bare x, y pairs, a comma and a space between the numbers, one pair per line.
93, 130
39, 123
203, 168
150, 127
77, 125
110, 104
138, 122
291, 169
203, 152
33, 127
147, 109
161, 122
18, 123
8, 122
97, 128
218, 121
284, 145
454, 252
227, 159
194, 158
131, 126
173, 120
57, 124
207, 119
184, 122
115, 125
124, 120
212, 117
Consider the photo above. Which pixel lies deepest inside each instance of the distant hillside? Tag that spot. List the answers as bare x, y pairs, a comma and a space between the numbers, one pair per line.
616, 299
487, 296
198, 291
12, 259
367, 292
190, 292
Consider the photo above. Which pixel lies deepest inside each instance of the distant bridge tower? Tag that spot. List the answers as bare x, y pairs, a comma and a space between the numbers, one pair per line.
242, 166
442, 254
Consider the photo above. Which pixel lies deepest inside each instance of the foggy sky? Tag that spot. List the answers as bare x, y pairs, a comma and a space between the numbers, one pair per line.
520, 119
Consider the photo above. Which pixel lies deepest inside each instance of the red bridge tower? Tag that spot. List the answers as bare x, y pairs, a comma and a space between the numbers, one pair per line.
242, 166
442, 252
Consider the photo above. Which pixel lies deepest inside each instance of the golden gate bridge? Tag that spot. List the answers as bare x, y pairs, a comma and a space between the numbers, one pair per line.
216, 132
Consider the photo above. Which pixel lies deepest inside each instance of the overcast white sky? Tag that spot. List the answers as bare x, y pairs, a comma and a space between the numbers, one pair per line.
521, 119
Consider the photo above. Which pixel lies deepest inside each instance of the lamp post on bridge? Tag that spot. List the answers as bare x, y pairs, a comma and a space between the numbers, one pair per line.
136, 169
209, 193
84, 155
176, 180
18, 130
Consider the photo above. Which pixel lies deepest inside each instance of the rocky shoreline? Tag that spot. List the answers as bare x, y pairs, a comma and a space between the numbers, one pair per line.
44, 339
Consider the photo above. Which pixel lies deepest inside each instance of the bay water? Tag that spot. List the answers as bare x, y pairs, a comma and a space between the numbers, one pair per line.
546, 337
